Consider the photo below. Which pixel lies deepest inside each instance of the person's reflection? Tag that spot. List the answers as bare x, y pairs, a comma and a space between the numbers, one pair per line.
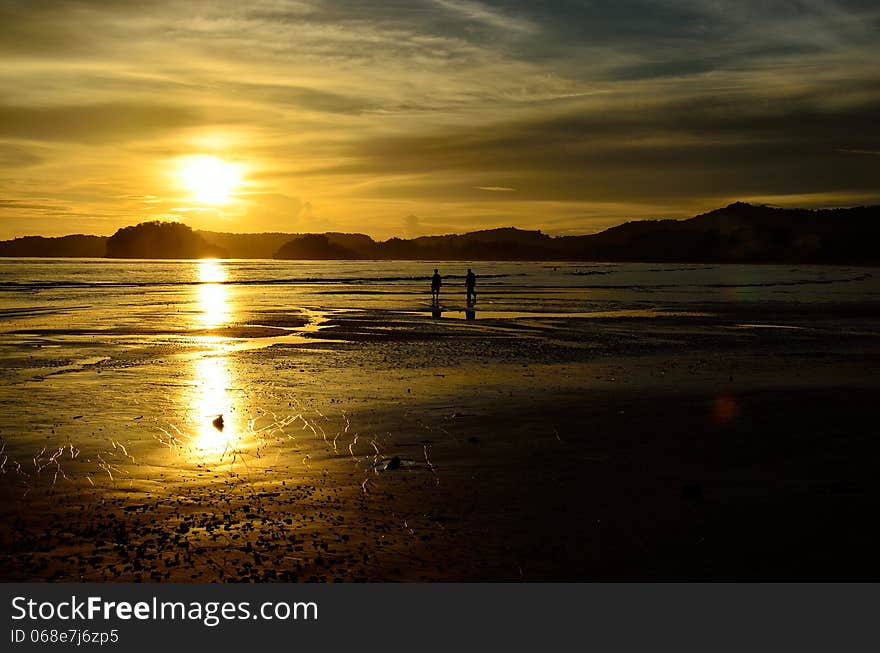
470, 313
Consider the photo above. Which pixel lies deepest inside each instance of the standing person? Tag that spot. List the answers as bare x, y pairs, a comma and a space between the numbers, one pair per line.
436, 280
470, 283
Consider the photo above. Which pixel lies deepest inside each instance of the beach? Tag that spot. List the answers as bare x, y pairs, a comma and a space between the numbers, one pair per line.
591, 422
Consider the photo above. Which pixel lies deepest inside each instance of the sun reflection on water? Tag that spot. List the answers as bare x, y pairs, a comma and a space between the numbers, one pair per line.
212, 296
216, 429
213, 400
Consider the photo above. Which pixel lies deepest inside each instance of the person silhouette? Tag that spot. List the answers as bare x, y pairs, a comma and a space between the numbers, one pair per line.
470, 283
436, 280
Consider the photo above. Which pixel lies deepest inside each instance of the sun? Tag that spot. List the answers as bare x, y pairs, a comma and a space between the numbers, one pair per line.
210, 180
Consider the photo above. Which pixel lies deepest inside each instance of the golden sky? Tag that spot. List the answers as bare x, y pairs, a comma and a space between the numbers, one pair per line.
412, 117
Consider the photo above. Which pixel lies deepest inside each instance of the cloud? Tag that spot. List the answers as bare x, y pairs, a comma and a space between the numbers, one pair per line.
681, 145
482, 13
16, 156
309, 98
276, 212
372, 111
96, 123
412, 226
43, 208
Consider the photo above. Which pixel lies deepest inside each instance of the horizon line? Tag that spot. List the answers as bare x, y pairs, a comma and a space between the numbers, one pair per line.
441, 235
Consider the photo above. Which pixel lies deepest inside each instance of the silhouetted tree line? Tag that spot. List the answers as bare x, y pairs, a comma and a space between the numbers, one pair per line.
739, 233
160, 240
64, 246
314, 246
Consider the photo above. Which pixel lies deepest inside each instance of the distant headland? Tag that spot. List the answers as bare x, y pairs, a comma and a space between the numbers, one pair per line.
738, 233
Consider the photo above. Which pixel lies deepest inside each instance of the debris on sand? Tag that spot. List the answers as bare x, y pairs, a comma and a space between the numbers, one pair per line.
218, 422
401, 463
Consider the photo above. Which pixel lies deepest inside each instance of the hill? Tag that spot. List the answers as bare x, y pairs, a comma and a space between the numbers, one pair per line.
314, 247
490, 244
76, 245
741, 233
738, 233
160, 240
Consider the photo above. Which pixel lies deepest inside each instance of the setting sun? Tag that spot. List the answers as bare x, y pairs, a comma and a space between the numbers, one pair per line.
209, 179
438, 291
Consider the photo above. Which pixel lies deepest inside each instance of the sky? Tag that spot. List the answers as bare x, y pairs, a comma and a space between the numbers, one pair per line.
413, 117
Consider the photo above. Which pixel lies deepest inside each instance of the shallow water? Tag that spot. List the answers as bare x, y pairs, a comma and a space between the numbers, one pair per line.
115, 464
66, 298
130, 362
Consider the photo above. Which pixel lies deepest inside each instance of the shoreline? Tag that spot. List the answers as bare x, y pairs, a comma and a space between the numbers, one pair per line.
514, 438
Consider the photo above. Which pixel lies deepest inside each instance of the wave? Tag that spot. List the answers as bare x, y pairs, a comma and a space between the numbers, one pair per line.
687, 269
51, 285
589, 273
765, 284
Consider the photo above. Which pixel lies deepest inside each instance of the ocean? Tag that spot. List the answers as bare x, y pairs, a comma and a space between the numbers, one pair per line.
266, 399
108, 332
90, 287
91, 308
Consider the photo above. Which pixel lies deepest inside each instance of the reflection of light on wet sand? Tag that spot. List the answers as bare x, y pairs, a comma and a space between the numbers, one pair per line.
769, 326
518, 315
211, 375
212, 298
211, 399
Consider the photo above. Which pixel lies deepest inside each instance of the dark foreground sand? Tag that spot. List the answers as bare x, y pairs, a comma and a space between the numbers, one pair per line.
678, 448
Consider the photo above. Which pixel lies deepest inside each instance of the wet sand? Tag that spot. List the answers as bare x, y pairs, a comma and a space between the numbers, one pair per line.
374, 445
